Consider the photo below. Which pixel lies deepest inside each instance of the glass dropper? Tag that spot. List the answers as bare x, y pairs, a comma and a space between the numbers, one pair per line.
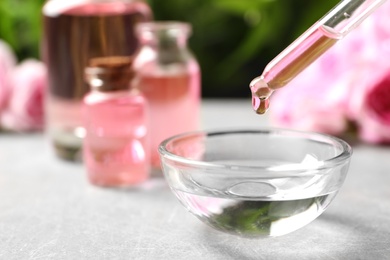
320, 37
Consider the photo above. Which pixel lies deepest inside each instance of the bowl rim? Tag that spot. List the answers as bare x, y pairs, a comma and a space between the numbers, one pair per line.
341, 158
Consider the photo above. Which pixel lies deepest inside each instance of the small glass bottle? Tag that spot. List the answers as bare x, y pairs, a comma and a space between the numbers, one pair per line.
74, 31
169, 77
116, 148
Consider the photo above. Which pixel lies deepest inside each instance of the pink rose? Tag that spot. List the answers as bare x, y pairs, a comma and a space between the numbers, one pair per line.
371, 106
25, 110
311, 111
7, 63
375, 126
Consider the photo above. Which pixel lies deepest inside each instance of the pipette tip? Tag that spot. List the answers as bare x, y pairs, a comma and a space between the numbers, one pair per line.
260, 95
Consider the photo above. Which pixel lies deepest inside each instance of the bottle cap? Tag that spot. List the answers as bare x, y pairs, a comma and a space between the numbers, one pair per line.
110, 73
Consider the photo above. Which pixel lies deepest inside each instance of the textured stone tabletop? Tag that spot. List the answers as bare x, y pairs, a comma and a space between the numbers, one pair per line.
48, 210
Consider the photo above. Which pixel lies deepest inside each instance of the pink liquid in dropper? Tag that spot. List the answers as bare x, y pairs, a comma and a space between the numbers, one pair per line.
289, 63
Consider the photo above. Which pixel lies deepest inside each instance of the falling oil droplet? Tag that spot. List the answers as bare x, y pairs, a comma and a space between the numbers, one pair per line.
260, 104
260, 95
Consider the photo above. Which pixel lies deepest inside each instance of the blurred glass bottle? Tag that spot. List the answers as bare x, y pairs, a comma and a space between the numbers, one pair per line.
74, 32
116, 146
169, 77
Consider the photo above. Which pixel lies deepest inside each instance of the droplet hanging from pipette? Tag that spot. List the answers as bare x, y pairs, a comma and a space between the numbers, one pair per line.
260, 105
260, 95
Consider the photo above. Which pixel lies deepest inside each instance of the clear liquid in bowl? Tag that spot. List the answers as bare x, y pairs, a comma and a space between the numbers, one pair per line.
257, 217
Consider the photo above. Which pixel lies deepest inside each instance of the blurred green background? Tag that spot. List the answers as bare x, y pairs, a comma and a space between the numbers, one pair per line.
233, 40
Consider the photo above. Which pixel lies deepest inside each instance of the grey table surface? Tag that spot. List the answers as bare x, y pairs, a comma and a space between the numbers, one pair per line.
48, 210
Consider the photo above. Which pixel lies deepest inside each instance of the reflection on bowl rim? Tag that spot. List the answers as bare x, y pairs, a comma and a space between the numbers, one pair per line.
346, 150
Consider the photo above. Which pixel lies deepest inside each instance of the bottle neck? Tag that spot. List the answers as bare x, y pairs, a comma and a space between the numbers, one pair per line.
164, 41
168, 49
109, 73
168, 39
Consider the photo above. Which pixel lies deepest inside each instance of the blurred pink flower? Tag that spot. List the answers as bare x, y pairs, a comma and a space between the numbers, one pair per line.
375, 121
313, 101
25, 110
7, 63
370, 105
349, 83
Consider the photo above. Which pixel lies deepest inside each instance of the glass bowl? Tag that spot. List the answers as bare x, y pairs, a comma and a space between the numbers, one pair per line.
255, 183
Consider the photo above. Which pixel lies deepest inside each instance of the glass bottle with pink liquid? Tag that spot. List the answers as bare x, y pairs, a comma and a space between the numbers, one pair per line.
168, 74
74, 32
116, 146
